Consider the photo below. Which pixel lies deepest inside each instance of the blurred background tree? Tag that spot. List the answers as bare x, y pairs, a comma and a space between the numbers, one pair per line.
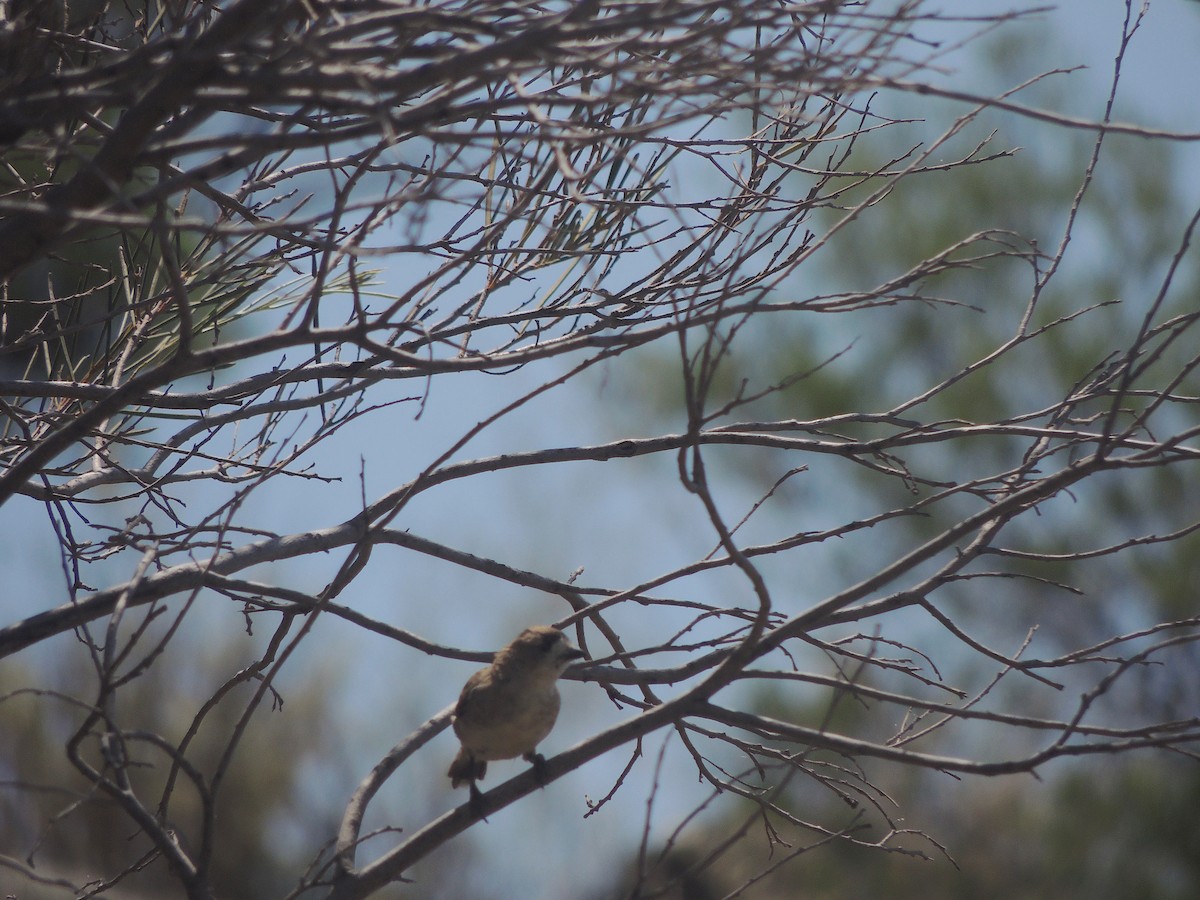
1115, 828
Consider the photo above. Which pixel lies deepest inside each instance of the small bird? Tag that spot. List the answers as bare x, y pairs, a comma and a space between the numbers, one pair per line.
505, 710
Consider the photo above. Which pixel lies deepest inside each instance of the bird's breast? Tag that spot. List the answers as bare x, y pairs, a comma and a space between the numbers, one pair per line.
508, 723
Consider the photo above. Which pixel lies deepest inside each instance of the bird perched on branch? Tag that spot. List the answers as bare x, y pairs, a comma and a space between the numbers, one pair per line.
505, 710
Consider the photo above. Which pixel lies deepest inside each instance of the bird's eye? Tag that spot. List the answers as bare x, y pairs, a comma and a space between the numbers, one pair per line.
549, 640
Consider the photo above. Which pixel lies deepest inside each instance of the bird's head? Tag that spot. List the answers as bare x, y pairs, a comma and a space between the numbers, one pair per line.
539, 649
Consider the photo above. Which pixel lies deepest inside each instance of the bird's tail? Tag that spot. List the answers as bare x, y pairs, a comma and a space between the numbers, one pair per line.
466, 768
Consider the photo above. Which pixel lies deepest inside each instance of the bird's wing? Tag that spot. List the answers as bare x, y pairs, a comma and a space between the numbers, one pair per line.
471, 692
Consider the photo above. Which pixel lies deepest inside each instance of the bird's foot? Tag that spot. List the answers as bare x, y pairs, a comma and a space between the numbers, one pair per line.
475, 801
539, 766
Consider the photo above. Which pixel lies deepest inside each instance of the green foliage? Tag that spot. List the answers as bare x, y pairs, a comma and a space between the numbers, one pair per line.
64, 828
1120, 829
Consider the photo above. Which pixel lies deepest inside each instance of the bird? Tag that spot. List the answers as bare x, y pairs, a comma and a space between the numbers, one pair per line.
507, 709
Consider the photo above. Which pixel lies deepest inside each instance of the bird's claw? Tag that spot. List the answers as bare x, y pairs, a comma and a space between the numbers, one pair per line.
539, 767
475, 801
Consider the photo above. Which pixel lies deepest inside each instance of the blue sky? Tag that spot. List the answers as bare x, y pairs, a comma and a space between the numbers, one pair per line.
554, 522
